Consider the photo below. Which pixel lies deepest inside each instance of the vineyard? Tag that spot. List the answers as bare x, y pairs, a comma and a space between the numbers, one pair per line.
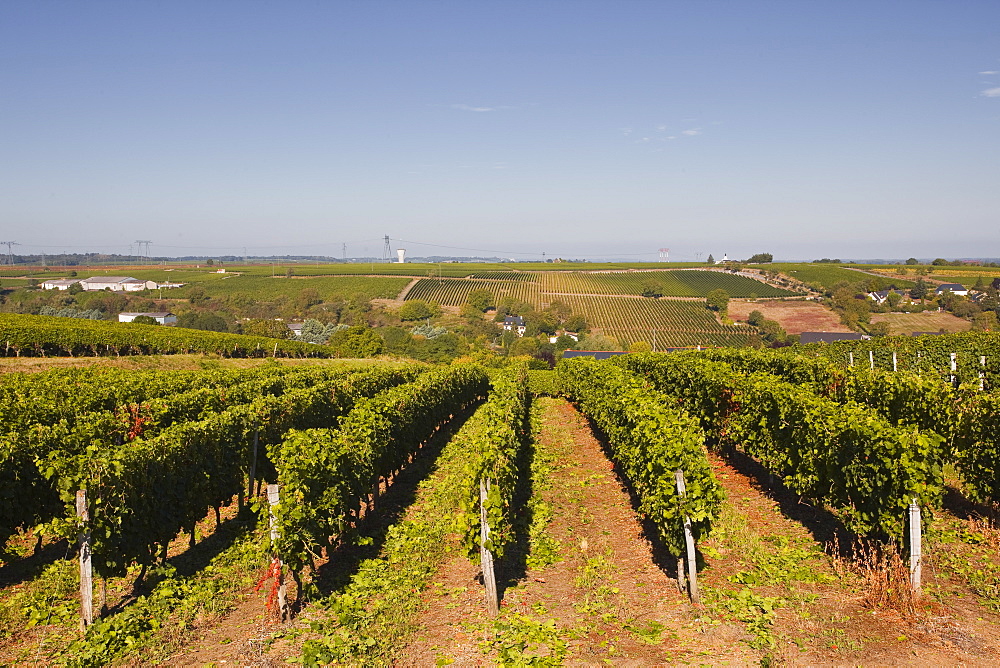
131, 473
669, 323
36, 335
669, 283
610, 302
454, 292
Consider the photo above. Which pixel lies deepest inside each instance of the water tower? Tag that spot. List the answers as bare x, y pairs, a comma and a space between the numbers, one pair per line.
401, 254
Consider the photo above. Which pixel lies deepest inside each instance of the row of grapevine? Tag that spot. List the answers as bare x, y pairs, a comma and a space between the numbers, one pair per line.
845, 455
528, 276
113, 419
669, 283
491, 443
140, 496
455, 292
668, 323
66, 394
650, 440
38, 335
921, 354
968, 420
326, 474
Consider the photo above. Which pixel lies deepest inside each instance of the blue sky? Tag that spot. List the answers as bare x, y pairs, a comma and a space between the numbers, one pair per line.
581, 129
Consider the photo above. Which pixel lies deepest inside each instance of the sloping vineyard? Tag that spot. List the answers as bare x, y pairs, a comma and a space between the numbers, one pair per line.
669, 283
671, 323
454, 292
529, 276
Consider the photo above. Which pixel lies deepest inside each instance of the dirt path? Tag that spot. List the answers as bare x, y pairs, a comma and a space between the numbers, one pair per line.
605, 599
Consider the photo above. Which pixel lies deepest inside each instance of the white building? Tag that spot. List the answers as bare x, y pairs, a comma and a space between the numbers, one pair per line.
161, 317
59, 283
117, 284
514, 323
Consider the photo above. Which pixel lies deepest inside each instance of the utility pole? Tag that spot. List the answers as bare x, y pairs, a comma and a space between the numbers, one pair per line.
386, 250
138, 244
10, 253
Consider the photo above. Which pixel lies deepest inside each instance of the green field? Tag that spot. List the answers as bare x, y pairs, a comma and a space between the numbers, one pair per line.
825, 276
329, 288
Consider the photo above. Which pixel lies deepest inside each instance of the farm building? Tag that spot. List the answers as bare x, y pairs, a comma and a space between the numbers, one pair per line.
58, 283
161, 317
514, 323
117, 284
881, 296
954, 288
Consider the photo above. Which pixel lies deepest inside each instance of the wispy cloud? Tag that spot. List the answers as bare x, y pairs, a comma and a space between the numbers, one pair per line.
692, 132
468, 107
990, 72
626, 131
991, 92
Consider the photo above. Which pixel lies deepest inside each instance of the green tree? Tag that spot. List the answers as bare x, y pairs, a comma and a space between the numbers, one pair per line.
711, 260
598, 342
893, 299
75, 289
919, 290
760, 258
210, 322
575, 324
912, 260
756, 318
274, 329
718, 300
640, 347
415, 309
940, 262
985, 321
357, 342
880, 328
651, 288
480, 299
145, 320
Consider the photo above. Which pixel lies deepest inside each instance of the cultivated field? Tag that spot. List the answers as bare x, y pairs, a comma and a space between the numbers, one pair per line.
794, 316
928, 321
798, 477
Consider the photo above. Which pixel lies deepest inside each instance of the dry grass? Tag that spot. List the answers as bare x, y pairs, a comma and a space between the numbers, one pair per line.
885, 576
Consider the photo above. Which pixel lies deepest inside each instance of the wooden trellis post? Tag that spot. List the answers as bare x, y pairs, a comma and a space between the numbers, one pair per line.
915, 547
253, 461
273, 496
692, 557
485, 555
86, 567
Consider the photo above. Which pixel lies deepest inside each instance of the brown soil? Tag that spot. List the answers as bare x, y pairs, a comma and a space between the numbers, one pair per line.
795, 316
820, 621
595, 525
